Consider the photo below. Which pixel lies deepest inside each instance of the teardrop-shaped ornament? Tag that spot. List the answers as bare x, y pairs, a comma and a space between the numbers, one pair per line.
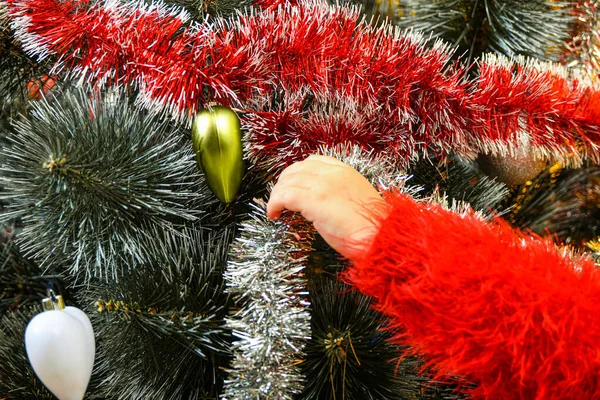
61, 348
217, 143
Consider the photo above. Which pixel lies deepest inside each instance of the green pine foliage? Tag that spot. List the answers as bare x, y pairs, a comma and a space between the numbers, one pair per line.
536, 28
17, 70
561, 203
200, 9
160, 326
349, 355
21, 280
459, 181
17, 379
92, 177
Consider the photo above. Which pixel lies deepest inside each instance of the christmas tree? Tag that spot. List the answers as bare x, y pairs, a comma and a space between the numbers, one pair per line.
193, 293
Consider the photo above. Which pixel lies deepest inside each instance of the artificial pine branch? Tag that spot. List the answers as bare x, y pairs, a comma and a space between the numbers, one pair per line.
18, 71
90, 176
561, 203
329, 64
22, 282
349, 355
200, 9
459, 181
17, 379
535, 28
161, 324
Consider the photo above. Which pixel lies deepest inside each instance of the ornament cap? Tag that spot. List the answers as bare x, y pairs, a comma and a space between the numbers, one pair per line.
53, 302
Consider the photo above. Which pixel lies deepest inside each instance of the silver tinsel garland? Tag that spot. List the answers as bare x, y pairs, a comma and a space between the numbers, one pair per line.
272, 323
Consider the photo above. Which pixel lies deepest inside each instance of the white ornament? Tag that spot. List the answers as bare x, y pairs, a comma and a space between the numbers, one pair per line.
61, 348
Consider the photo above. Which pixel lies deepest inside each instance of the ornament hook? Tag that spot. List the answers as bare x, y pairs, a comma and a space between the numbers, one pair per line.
53, 301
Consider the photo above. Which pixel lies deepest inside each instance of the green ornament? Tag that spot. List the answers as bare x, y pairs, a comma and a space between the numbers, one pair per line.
217, 141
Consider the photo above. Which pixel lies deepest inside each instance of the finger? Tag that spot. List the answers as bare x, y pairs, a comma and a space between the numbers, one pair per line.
291, 198
324, 159
312, 165
301, 166
303, 179
325, 165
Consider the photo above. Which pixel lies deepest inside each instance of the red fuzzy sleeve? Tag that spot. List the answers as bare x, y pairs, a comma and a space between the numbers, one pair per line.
506, 311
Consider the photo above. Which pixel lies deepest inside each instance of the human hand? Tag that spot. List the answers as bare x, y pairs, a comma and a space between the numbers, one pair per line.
334, 197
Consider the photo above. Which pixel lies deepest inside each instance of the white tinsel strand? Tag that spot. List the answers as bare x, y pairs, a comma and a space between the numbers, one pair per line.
265, 277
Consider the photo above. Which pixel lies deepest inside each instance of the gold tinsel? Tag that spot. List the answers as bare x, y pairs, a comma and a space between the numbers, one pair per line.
583, 50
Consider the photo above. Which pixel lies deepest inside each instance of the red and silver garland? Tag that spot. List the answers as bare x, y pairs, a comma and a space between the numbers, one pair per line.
310, 74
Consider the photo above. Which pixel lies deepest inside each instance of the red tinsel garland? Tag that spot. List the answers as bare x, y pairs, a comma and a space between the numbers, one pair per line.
323, 61
504, 310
